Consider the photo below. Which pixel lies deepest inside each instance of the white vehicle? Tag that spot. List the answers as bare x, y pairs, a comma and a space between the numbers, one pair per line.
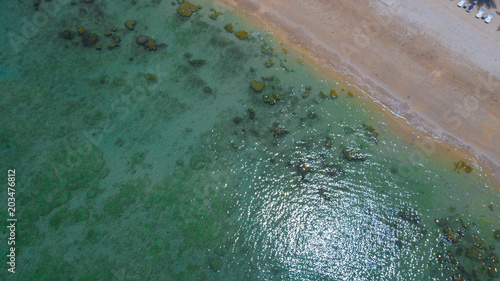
480, 13
489, 17
461, 3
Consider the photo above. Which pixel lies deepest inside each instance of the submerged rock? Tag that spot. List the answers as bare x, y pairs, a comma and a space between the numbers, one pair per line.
476, 241
496, 234
89, 39
150, 45
451, 256
198, 162
410, 215
269, 99
493, 271
151, 77
458, 277
352, 155
116, 42
267, 50
451, 235
242, 34
334, 94
333, 170
371, 132
474, 254
257, 86
463, 165
303, 169
186, 9
229, 27
252, 113
207, 90
142, 39
67, 34
307, 92
278, 130
130, 24
197, 63
221, 250
237, 120
323, 193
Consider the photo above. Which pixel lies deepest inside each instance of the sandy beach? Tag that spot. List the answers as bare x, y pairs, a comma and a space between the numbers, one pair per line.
429, 62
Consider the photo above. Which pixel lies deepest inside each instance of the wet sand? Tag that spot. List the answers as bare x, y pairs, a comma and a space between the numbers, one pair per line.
430, 63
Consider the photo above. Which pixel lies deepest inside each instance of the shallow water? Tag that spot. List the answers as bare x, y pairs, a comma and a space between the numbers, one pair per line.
141, 165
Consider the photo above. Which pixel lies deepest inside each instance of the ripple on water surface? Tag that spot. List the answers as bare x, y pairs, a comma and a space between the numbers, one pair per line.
218, 157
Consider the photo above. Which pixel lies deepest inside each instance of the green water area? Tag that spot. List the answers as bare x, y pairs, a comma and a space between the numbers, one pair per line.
160, 140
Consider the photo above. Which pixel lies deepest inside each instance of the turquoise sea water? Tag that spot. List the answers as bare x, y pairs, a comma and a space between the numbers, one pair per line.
148, 165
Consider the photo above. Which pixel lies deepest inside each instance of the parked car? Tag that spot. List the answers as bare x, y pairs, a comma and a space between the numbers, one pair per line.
461, 3
490, 16
480, 13
471, 6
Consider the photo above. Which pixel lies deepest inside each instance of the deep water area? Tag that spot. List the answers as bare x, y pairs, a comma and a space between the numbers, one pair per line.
158, 140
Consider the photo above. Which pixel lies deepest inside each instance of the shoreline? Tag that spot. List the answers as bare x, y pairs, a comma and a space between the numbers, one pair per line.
416, 90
